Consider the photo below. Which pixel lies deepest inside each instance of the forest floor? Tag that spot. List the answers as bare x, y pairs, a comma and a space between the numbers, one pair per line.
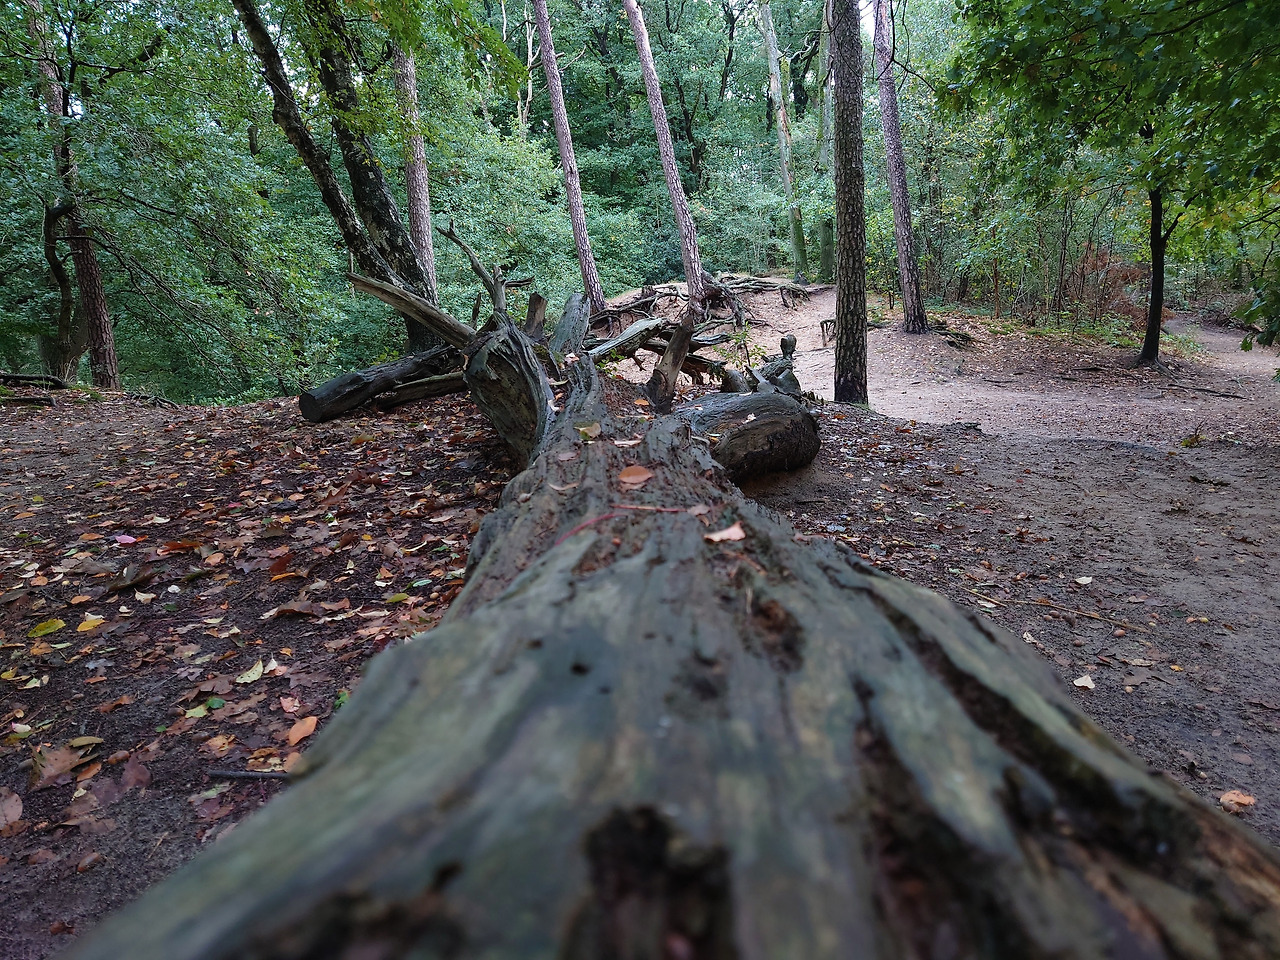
186, 592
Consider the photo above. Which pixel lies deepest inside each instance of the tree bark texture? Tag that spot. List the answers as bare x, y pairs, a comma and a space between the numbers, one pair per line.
914, 318
826, 135
370, 226
61, 352
851, 217
103, 365
342, 394
568, 162
1150, 353
417, 179
799, 256
662, 384
656, 725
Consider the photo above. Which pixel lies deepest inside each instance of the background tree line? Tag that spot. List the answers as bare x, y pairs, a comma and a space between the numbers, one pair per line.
1042, 151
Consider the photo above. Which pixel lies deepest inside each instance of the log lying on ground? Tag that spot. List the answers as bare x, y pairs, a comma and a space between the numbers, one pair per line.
343, 394
46, 380
655, 725
422, 389
755, 434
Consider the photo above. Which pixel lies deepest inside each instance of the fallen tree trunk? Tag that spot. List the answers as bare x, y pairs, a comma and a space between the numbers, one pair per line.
343, 394
421, 390
655, 725
755, 434
45, 380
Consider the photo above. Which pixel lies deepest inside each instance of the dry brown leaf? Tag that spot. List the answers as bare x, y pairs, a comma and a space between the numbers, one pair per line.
635, 475
1233, 801
734, 532
301, 730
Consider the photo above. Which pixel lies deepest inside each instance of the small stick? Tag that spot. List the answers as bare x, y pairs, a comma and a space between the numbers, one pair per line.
1047, 603
250, 774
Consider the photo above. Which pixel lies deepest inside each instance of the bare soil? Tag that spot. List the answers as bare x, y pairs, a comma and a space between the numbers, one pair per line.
1122, 522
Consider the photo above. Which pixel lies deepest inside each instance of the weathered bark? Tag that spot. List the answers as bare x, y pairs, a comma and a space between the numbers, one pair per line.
826, 135
799, 256
342, 394
568, 162
756, 434
851, 217
103, 364
914, 318
371, 226
417, 180
437, 386
33, 379
630, 739
662, 383
61, 352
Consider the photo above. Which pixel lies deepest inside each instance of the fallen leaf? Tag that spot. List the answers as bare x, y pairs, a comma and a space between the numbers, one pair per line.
290, 704
1233, 801
46, 628
110, 705
89, 623
252, 674
89, 861
734, 532
635, 475
699, 510
589, 431
627, 443
134, 774
301, 730
10, 807
81, 598
43, 855
1084, 581
53, 766
1084, 683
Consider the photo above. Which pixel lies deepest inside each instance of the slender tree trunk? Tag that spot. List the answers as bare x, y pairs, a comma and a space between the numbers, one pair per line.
95, 316
416, 179
662, 384
62, 351
995, 285
1150, 354
103, 364
799, 256
370, 222
826, 135
851, 216
914, 318
568, 162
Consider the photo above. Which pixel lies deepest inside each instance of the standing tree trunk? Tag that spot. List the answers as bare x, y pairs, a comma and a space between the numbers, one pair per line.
103, 364
1160, 234
662, 384
568, 162
416, 178
369, 222
913, 315
94, 317
799, 256
61, 352
654, 725
851, 215
826, 134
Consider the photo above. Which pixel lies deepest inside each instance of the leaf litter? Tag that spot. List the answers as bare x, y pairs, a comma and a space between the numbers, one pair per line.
171, 534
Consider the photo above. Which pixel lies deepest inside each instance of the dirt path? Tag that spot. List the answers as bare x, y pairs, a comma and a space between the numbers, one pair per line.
1049, 486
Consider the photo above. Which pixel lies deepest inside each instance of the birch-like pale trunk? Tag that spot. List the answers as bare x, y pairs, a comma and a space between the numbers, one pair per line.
799, 256
662, 385
416, 178
568, 162
914, 319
